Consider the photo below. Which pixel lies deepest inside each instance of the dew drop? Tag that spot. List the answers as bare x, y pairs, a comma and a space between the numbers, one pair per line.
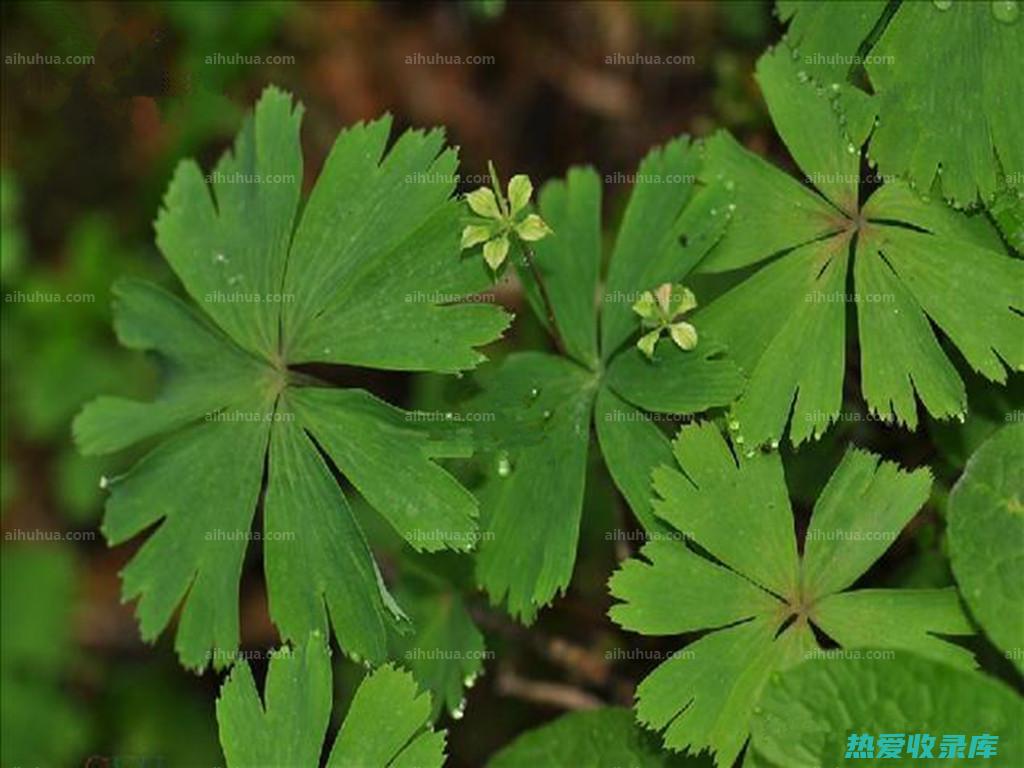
714, 211
220, 258
740, 440
802, 76
734, 425
459, 711
448, 416
834, 87
750, 454
104, 482
943, 5
796, 54
961, 417
504, 465
469, 681
546, 415
774, 444
534, 393
851, 149
459, 374
1006, 11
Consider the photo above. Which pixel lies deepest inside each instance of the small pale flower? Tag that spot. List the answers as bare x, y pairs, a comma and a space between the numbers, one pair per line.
660, 310
504, 218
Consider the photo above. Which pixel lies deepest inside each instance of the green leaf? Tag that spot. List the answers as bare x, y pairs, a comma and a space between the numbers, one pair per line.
569, 261
942, 121
632, 445
676, 381
866, 502
390, 459
527, 552
600, 738
825, 37
1008, 212
387, 722
670, 223
196, 553
544, 406
807, 714
748, 584
446, 650
316, 557
949, 116
910, 269
908, 619
372, 276
774, 212
238, 243
809, 127
986, 539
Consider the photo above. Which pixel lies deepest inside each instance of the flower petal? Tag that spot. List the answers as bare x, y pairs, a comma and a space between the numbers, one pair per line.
646, 342
483, 202
684, 335
474, 234
520, 189
532, 228
495, 251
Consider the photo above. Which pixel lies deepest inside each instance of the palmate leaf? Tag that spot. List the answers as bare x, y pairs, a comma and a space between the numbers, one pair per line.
947, 119
369, 278
600, 738
914, 265
387, 724
760, 598
544, 405
807, 714
986, 539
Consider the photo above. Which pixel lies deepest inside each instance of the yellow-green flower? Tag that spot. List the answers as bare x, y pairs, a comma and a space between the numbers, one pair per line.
661, 309
502, 218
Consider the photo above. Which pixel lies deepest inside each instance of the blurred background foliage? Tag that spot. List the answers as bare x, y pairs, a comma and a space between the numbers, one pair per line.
87, 149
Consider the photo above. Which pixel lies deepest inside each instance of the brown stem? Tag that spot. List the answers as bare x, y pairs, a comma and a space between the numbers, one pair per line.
542, 692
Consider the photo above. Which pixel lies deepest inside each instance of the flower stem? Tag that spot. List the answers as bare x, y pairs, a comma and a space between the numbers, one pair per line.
548, 306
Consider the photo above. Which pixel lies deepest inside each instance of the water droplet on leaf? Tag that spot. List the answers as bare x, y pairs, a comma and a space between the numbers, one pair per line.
1006, 11
504, 465
943, 5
